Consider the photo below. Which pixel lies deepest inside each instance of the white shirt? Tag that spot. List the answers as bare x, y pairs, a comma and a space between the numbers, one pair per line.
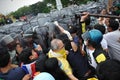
113, 41
91, 58
104, 44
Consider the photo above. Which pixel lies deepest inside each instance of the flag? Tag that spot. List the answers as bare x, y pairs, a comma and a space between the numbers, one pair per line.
29, 68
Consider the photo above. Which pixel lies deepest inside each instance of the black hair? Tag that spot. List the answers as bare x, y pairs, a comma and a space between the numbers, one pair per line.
25, 54
109, 70
65, 40
99, 27
113, 24
4, 57
40, 62
72, 29
52, 66
87, 20
94, 44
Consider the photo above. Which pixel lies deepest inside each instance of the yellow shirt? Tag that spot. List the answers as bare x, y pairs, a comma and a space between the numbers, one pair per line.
64, 63
83, 27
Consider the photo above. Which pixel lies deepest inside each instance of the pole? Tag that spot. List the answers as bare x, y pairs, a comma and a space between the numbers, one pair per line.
99, 15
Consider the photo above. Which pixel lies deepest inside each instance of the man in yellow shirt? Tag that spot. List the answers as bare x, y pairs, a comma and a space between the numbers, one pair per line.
57, 50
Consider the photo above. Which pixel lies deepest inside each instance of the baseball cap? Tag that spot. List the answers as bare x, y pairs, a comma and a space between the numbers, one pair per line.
93, 35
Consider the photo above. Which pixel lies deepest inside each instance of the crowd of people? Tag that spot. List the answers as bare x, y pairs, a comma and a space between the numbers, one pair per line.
79, 53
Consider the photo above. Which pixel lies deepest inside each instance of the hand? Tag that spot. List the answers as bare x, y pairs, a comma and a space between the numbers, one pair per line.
84, 16
26, 77
56, 23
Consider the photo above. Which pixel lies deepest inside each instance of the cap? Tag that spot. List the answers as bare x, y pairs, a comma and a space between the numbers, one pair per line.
117, 5
93, 35
7, 39
44, 76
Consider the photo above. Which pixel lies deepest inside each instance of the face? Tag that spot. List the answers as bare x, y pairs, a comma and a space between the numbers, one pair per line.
104, 12
107, 21
19, 48
61, 49
34, 55
61, 45
109, 29
85, 42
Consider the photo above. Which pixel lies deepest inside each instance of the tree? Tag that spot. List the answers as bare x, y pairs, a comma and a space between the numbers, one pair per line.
41, 7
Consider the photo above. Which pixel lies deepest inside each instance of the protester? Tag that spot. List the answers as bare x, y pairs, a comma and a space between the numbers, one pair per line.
10, 43
52, 66
71, 56
57, 50
7, 70
103, 42
93, 48
113, 40
77, 61
109, 70
27, 56
73, 45
40, 63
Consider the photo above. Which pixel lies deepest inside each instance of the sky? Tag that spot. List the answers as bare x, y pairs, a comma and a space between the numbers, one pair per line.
7, 6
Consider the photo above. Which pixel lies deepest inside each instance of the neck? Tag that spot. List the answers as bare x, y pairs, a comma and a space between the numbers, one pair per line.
6, 69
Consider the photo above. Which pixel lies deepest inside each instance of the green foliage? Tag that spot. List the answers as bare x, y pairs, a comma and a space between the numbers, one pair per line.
41, 7
2, 21
21, 12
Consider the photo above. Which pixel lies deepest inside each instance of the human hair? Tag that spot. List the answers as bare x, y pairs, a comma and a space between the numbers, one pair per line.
25, 54
55, 44
4, 57
109, 70
65, 40
113, 24
94, 44
40, 63
100, 27
52, 66
87, 21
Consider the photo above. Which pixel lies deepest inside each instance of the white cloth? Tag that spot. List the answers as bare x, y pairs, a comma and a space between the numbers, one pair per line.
91, 59
113, 41
104, 44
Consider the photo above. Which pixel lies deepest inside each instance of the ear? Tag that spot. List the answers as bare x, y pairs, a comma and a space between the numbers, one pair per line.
31, 57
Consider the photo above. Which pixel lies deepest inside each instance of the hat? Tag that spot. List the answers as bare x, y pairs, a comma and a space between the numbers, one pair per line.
7, 39
44, 76
117, 5
93, 35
